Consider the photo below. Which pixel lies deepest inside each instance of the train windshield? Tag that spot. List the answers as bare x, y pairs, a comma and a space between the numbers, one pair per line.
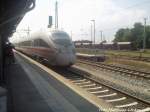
61, 38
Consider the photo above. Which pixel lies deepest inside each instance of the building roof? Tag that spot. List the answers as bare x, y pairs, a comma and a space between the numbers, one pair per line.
123, 43
108, 43
83, 41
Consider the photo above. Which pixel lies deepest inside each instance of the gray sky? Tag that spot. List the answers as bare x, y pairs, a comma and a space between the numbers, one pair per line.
75, 16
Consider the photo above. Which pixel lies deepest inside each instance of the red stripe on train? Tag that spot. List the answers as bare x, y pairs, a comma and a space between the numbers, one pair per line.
44, 52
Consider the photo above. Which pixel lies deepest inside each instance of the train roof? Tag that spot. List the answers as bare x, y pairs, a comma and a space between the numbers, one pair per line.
33, 35
123, 43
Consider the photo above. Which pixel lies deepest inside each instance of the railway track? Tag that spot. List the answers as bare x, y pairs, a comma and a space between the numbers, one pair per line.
121, 100
136, 58
122, 70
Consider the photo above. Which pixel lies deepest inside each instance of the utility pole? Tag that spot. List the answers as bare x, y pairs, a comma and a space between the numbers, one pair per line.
71, 34
94, 36
94, 30
101, 35
91, 33
28, 31
56, 15
144, 39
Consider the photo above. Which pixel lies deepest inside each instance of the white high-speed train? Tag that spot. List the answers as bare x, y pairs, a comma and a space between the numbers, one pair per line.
54, 46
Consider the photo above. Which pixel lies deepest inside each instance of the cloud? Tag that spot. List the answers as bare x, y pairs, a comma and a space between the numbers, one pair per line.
75, 15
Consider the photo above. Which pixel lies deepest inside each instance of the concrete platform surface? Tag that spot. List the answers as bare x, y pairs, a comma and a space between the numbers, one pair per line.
31, 89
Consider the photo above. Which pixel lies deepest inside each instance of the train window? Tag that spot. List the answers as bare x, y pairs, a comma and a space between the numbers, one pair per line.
59, 35
26, 43
65, 42
61, 38
40, 43
36, 43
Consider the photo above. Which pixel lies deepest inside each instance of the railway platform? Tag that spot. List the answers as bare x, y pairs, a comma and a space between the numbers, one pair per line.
92, 57
31, 89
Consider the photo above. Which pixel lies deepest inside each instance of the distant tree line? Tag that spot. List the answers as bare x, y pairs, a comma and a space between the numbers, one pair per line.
134, 35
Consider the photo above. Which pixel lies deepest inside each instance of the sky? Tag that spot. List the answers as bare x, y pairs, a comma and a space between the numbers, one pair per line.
75, 16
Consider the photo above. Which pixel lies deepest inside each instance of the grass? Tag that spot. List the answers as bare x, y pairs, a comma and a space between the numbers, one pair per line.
146, 53
113, 60
139, 65
89, 51
129, 53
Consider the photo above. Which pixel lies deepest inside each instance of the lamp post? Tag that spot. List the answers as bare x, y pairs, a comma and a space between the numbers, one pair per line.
101, 35
94, 30
94, 36
91, 34
56, 15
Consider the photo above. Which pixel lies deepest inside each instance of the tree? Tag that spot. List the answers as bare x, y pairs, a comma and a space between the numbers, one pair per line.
134, 35
119, 35
122, 35
148, 37
137, 35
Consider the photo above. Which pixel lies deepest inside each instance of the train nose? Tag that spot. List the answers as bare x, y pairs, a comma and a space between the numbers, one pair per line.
66, 59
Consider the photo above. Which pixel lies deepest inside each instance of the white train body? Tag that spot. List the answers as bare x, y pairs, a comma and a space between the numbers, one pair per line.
55, 46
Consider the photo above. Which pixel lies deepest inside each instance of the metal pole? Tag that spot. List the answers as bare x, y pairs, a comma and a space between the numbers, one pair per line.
56, 15
144, 39
94, 31
94, 35
91, 33
28, 32
71, 34
101, 35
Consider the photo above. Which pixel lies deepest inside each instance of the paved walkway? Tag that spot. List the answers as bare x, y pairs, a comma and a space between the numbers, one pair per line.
33, 90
